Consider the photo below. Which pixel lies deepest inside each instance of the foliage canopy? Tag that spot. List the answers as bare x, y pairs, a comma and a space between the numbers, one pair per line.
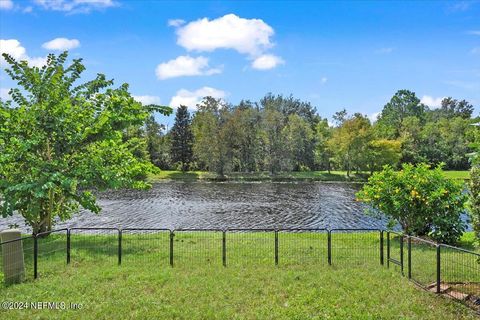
422, 200
59, 139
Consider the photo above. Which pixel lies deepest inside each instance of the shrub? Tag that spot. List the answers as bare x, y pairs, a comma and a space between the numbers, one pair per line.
422, 200
474, 201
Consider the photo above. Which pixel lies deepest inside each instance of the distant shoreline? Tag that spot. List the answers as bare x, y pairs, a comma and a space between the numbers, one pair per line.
305, 176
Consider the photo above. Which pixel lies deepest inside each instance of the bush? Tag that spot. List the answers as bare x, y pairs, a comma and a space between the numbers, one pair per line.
423, 201
474, 201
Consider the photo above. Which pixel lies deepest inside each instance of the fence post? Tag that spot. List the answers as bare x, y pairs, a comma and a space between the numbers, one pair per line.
401, 253
224, 248
119, 246
276, 247
381, 247
409, 248
171, 248
68, 246
438, 268
329, 248
388, 249
35, 256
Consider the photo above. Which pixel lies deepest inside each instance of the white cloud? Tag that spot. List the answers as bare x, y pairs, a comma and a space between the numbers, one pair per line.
61, 44
185, 66
37, 61
323, 80
27, 9
474, 32
192, 98
146, 100
14, 48
475, 50
459, 6
247, 36
6, 4
175, 22
267, 61
431, 101
384, 51
374, 116
4, 93
76, 6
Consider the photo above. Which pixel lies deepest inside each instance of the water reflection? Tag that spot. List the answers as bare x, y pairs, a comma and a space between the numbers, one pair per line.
177, 204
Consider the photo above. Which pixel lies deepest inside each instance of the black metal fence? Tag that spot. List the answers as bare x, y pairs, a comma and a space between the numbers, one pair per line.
436, 267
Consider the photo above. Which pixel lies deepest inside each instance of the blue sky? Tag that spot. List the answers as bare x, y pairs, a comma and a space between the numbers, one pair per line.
352, 55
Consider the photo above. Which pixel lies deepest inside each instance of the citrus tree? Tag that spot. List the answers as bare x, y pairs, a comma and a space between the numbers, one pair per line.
422, 200
60, 139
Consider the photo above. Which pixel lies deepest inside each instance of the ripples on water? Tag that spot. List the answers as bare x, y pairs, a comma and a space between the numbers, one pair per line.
177, 204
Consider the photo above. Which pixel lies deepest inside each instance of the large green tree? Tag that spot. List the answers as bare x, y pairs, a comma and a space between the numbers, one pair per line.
60, 138
154, 140
273, 141
323, 153
451, 108
402, 105
242, 129
212, 143
299, 142
182, 138
350, 141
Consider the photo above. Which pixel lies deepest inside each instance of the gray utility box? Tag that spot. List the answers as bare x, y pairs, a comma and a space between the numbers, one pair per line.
12, 256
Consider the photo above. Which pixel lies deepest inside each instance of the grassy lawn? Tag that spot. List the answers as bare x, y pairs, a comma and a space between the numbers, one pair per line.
261, 176
302, 286
282, 176
463, 175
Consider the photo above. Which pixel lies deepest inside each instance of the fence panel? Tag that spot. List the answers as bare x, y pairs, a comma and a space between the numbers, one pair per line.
355, 246
395, 250
195, 246
98, 244
250, 246
460, 273
422, 262
302, 246
146, 245
27, 243
52, 251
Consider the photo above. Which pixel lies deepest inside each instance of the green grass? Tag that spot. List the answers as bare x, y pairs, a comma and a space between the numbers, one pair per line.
461, 175
302, 286
282, 176
261, 176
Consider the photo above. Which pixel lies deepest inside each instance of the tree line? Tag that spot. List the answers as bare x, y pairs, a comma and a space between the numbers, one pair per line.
281, 133
62, 138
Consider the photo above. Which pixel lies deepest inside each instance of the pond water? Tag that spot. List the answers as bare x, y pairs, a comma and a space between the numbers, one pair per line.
177, 204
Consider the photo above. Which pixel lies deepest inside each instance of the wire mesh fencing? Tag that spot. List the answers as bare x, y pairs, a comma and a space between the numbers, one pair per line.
439, 268
52, 248
301, 246
250, 246
359, 246
146, 245
460, 274
17, 260
95, 244
422, 262
198, 246
395, 252
436, 267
